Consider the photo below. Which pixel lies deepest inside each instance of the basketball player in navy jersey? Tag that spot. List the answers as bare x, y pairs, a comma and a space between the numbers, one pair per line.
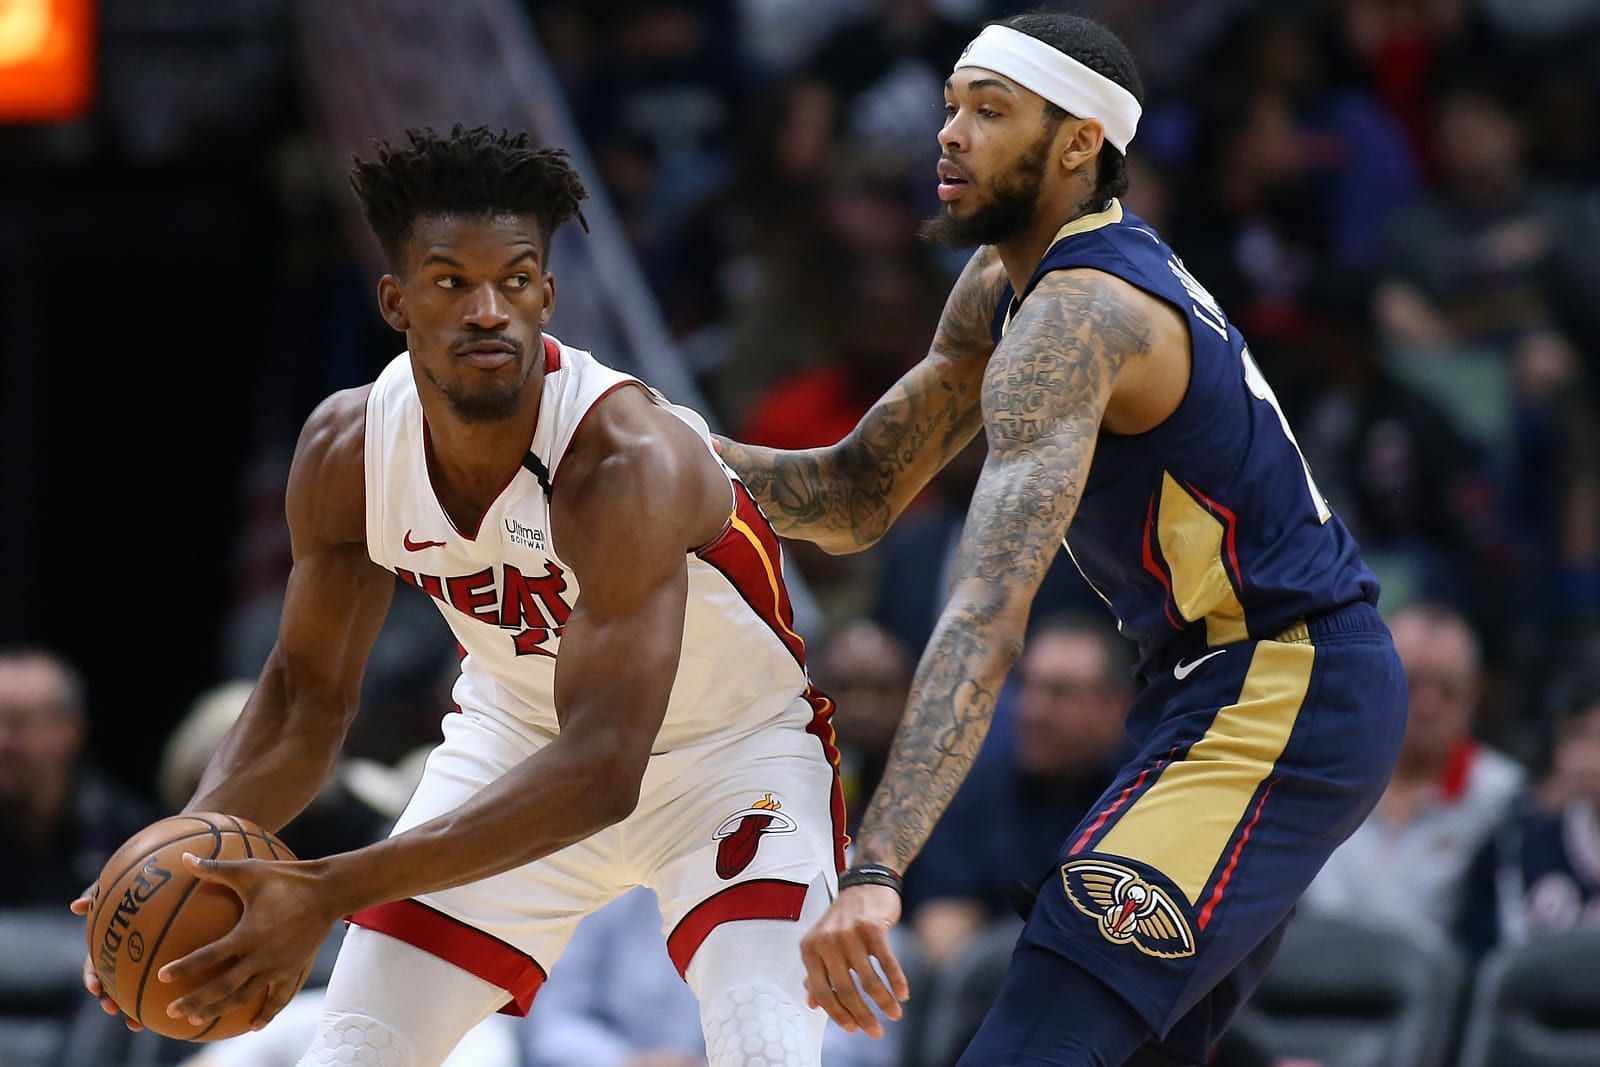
1124, 413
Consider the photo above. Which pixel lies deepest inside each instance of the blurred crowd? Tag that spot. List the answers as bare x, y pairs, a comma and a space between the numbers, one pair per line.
1398, 202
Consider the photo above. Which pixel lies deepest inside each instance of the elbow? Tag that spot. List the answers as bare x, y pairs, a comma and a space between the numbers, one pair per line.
613, 786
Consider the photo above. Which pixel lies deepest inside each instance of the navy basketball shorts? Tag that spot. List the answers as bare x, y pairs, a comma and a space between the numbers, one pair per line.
1174, 890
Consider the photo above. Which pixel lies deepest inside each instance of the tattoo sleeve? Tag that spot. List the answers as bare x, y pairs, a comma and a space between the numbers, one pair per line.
1044, 393
846, 496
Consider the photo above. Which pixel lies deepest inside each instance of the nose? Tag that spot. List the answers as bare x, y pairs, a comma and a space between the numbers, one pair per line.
486, 309
953, 134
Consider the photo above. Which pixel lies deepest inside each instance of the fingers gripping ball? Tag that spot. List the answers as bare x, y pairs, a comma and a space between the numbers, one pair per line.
149, 910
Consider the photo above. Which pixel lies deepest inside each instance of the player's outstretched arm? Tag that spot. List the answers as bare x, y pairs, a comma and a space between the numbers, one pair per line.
286, 743
846, 496
1044, 395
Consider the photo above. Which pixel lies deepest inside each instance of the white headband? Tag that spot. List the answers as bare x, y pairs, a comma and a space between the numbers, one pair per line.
1058, 78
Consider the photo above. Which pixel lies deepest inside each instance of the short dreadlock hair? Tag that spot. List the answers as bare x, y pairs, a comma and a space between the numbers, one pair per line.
472, 173
1102, 52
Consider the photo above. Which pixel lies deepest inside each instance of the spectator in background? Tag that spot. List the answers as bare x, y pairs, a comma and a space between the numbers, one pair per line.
357, 806
60, 819
1408, 861
1030, 785
867, 672
870, 80
615, 1000
1540, 872
1414, 490
1493, 253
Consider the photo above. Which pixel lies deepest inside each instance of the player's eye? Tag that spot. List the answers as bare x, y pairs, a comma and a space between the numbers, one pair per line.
949, 112
988, 113
447, 281
518, 281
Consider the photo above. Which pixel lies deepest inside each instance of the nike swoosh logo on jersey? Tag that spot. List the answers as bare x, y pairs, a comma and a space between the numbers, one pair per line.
1183, 670
418, 546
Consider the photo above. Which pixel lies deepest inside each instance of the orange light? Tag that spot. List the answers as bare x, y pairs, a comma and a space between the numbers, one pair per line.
46, 60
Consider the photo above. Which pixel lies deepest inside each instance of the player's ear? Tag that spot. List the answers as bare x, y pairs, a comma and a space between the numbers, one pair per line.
1083, 140
549, 283
392, 303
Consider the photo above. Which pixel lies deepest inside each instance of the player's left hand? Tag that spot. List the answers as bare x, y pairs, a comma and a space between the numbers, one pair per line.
839, 950
286, 916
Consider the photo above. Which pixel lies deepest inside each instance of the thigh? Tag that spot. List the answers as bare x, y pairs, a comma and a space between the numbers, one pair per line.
510, 928
741, 831
1264, 761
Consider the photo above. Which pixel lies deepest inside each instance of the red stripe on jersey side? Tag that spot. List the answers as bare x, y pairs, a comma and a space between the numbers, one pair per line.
746, 553
453, 941
1122, 798
821, 727
1155, 567
552, 356
759, 898
1230, 523
1233, 861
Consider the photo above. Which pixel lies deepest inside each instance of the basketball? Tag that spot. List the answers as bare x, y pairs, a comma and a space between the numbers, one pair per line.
149, 910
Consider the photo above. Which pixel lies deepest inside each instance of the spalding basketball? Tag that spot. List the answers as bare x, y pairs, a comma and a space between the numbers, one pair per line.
149, 910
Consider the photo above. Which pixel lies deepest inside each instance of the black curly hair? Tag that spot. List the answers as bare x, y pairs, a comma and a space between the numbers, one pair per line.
1102, 52
474, 173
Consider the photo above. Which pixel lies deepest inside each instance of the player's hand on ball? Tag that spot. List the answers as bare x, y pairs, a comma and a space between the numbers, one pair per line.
838, 953
91, 981
285, 919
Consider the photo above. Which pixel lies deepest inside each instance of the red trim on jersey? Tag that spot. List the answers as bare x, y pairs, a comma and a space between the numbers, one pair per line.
821, 727
455, 942
752, 564
1233, 860
1155, 568
552, 356
1133, 787
759, 898
1230, 523
562, 462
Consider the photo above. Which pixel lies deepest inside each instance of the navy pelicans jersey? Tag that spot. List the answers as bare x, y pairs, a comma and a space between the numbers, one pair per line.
1208, 529
507, 594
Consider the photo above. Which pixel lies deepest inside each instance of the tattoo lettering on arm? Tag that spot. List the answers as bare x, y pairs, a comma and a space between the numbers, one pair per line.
846, 496
1044, 394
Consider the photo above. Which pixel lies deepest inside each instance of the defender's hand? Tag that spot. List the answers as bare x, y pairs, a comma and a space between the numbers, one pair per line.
91, 981
839, 950
286, 916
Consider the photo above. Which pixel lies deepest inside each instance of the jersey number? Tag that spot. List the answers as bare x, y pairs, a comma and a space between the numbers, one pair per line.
1259, 388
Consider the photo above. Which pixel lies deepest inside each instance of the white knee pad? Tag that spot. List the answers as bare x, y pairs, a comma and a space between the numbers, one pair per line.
348, 1040
751, 984
758, 1025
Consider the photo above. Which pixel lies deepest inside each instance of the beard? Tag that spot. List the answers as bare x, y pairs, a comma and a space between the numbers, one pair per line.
1013, 202
493, 401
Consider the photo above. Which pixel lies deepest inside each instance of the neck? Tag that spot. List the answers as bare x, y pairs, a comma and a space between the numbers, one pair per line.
474, 460
1021, 254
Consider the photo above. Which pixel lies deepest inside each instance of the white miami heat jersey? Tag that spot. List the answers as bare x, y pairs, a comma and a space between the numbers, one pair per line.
507, 595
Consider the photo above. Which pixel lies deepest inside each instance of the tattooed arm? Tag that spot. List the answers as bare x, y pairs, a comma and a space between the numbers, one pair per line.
845, 497
1044, 395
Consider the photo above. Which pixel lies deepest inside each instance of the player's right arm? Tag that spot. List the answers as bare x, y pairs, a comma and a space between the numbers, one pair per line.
846, 496
286, 743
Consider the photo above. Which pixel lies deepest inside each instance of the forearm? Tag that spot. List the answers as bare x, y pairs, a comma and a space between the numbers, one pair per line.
951, 705
554, 798
275, 758
809, 495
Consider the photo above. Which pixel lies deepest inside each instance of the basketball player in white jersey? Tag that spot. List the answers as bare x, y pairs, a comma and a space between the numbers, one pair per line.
634, 707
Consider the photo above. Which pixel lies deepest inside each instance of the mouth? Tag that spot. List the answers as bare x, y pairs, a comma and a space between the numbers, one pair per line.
953, 181
487, 355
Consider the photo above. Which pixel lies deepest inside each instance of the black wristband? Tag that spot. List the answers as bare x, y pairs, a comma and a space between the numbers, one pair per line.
872, 874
